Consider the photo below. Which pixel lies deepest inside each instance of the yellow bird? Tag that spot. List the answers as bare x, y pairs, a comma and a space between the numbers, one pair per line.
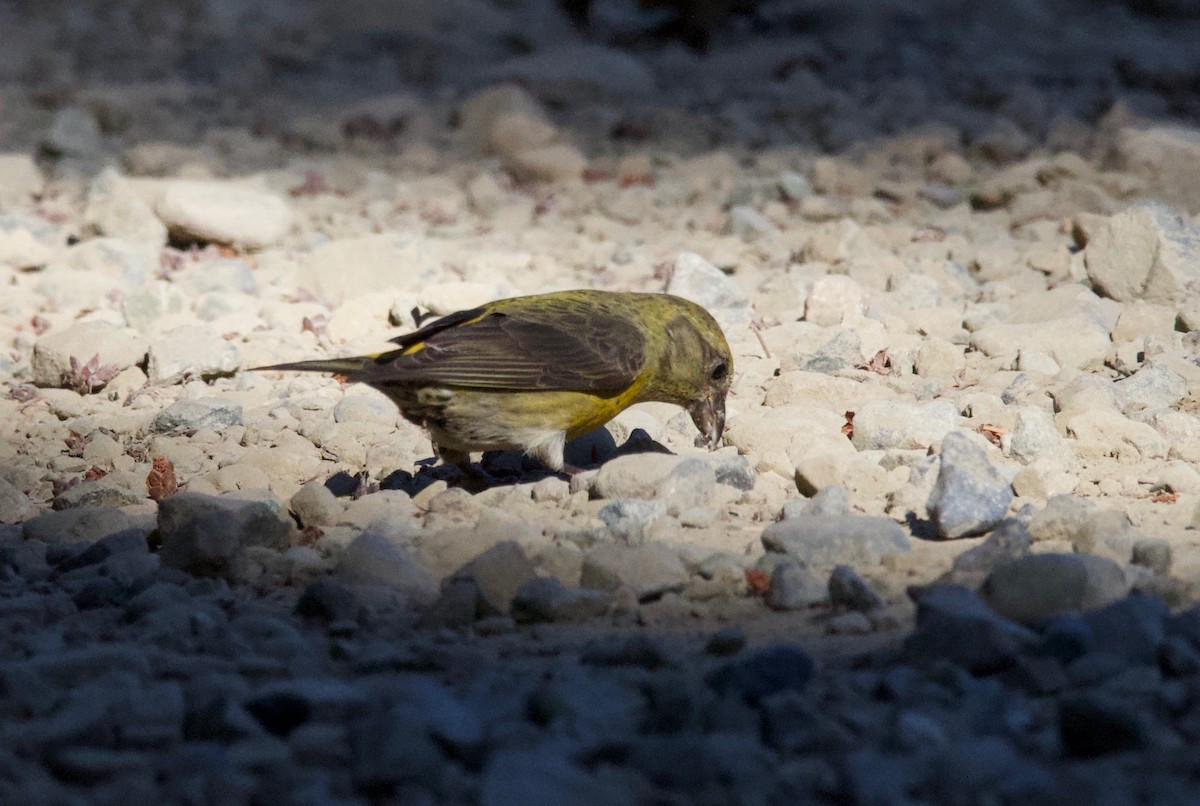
529, 373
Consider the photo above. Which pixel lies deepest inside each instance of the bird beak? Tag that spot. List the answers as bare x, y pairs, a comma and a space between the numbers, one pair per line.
708, 413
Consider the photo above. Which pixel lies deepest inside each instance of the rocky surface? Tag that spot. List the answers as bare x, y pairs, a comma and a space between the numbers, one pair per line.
945, 553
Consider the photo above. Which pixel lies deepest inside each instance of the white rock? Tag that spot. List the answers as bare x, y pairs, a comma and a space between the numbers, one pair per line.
831, 299
694, 278
1106, 433
116, 347
1146, 252
883, 424
191, 351
224, 212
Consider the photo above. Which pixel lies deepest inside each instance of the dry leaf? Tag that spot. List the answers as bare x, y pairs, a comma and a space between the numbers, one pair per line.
160, 481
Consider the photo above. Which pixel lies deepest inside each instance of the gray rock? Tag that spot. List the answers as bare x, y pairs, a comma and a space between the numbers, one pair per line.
113, 347
794, 587
648, 570
1009, 541
969, 497
1035, 434
1038, 587
113, 490
223, 212
691, 485
1151, 387
1061, 518
627, 518
829, 501
954, 624
498, 574
733, 470
1107, 533
375, 560
694, 278
15, 506
314, 504
841, 352
748, 223
364, 409
545, 599
191, 351
26, 242
211, 413
1145, 252
209, 536
942, 196
827, 540
887, 424
1153, 553
73, 133
1164, 155
794, 186
849, 591
83, 525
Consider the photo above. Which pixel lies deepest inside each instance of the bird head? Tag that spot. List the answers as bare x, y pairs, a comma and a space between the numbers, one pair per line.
695, 368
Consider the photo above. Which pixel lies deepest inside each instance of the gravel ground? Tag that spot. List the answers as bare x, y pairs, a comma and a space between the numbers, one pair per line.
945, 554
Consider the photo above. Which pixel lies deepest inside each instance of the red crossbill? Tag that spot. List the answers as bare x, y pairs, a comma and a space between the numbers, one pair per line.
529, 373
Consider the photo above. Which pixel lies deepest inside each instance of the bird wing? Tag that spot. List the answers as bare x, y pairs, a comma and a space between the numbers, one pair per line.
557, 345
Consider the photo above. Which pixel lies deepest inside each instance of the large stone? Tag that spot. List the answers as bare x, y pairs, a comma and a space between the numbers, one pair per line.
648, 571
954, 624
190, 415
1041, 586
886, 424
223, 212
969, 496
208, 536
191, 351
113, 347
1146, 252
545, 599
1168, 157
498, 574
375, 560
694, 278
829, 540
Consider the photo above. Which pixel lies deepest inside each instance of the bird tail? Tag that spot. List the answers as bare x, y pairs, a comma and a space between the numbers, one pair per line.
338, 366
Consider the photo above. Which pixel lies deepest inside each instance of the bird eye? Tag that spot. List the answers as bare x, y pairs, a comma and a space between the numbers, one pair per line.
720, 371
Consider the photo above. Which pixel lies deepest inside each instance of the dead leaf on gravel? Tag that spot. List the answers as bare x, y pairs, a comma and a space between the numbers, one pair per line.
160, 481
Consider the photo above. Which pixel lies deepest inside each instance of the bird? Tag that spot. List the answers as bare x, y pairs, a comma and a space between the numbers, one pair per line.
530, 373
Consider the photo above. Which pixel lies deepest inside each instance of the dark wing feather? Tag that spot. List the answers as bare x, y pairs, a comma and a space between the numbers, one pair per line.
557, 347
